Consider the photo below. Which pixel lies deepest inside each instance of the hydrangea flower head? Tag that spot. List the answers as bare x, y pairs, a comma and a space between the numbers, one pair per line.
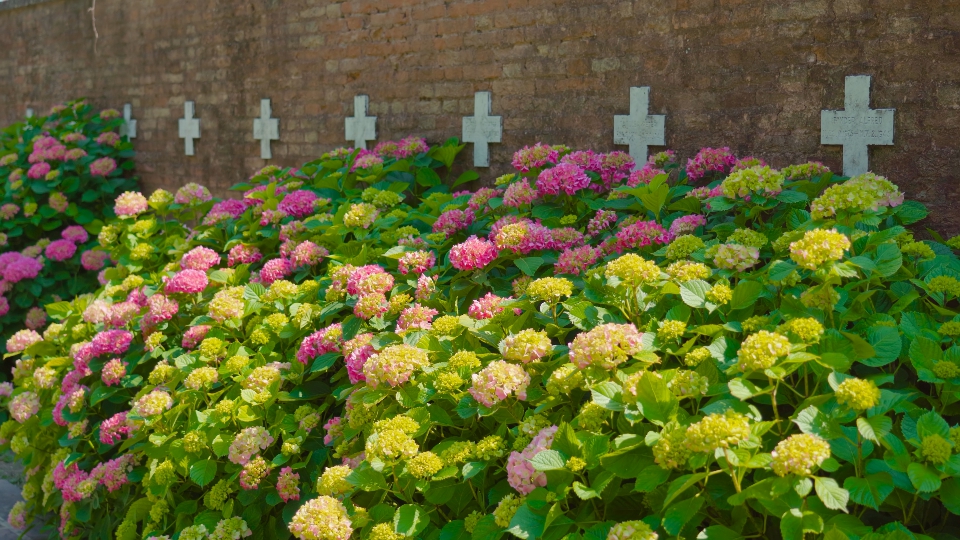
200, 258
607, 346
130, 204
818, 247
498, 381
473, 254
563, 178
526, 346
799, 454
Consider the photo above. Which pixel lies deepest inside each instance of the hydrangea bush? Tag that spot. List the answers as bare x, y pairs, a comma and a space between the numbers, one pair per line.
587, 349
62, 173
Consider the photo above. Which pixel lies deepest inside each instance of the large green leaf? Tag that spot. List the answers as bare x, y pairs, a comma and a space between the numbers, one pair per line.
410, 520
870, 491
203, 472
831, 494
655, 401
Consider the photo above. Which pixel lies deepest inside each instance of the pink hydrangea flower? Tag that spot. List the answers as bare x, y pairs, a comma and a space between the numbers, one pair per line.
486, 307
75, 234
411, 146
478, 201
564, 178
194, 335
192, 193
614, 167
9, 211
130, 204
58, 201
519, 193
226, 209
47, 148
534, 157
115, 429
366, 159
307, 254
710, 160
320, 342
60, 250
187, 281
108, 138
426, 286
38, 170
333, 429
288, 485
369, 279
498, 381
473, 254
417, 262
24, 406
275, 269
111, 342
644, 175
113, 372
523, 237
74, 154
122, 313
386, 148
200, 258
16, 268
248, 443
22, 339
300, 203
371, 305
93, 259
687, 224
576, 261
640, 234
415, 317
103, 167
243, 254
452, 221
161, 308
113, 473
70, 480
587, 160
521, 474
356, 353
36, 318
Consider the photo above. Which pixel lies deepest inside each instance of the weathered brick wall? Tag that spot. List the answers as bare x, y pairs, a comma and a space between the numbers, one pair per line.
750, 74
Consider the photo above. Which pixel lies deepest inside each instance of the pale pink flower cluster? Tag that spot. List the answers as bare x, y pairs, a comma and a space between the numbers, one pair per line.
366, 159
307, 254
498, 381
394, 365
40, 170
386, 149
687, 224
122, 313
519, 193
356, 353
606, 346
192, 193
108, 138
113, 372
60, 250
415, 317
575, 261
194, 335
243, 254
452, 221
600, 222
521, 473
75, 234
93, 259
473, 254
587, 160
526, 346
417, 262
534, 157
248, 443
160, 308
200, 258
288, 485
115, 428
478, 201
275, 269
153, 404
111, 342
36, 318
644, 175
371, 305
563, 178
113, 474
300, 203
486, 307
333, 429
21, 340
323, 518
58, 201
710, 160
24, 406
9, 211
320, 342
130, 204
16, 267
426, 286
46, 149
103, 167
187, 281
369, 279
735, 256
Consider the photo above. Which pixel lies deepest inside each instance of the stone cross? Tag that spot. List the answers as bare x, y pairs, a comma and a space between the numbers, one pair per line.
481, 129
29, 112
266, 129
639, 129
857, 126
189, 127
129, 126
361, 128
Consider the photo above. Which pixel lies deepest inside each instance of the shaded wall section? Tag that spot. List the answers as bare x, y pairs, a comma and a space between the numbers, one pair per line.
748, 74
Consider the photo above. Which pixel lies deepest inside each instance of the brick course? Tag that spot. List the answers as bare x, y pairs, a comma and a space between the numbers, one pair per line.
749, 74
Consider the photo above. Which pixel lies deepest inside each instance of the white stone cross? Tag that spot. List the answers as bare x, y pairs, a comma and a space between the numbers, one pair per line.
481, 129
129, 126
29, 112
857, 126
189, 127
361, 128
266, 129
639, 129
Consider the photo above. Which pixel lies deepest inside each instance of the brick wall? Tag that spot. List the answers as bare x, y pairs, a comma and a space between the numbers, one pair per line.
750, 74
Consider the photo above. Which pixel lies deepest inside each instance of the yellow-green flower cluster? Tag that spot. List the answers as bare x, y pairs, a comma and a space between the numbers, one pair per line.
718, 431
279, 290
227, 304
818, 247
759, 179
193, 442
935, 450
697, 356
384, 531
631, 530
564, 380
864, 192
946, 370
446, 325
859, 394
526, 346
633, 270
683, 246
549, 289
592, 417
506, 509
490, 448
762, 350
945, 284
212, 348
323, 518
333, 481
688, 383
682, 271
807, 329
950, 329
391, 444
820, 297
203, 377
671, 451
464, 360
671, 330
799, 454
719, 294
424, 465
748, 237
360, 215
752, 324
394, 365
458, 452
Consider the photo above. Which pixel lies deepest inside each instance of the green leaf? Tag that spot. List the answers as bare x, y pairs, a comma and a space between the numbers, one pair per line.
655, 401
694, 292
526, 524
950, 495
366, 478
680, 485
529, 265
677, 516
779, 270
888, 259
651, 478
831, 494
324, 362
923, 477
870, 491
745, 294
410, 520
608, 395
931, 423
790, 197
718, 532
875, 427
548, 460
203, 472
886, 344
466, 176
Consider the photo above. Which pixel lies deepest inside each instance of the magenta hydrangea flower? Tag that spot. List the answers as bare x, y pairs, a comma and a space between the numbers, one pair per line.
307, 254
227, 209
187, 281
288, 485
366, 159
192, 193
75, 234
369, 279
111, 342
130, 204
320, 342
300, 203
93, 259
115, 429
200, 258
523, 237
640, 234
587, 160
113, 372
564, 178
710, 160
411, 146
417, 262
473, 254
113, 473
486, 307
60, 250
644, 175
519, 193
386, 148
38, 170
356, 353
108, 138
161, 308
21, 340
4, 306
275, 269
614, 167
243, 254
416, 317
70, 480
452, 221
576, 261
687, 224
534, 157
47, 148
371, 305
103, 167
478, 201
9, 211
194, 335
521, 474
17, 267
